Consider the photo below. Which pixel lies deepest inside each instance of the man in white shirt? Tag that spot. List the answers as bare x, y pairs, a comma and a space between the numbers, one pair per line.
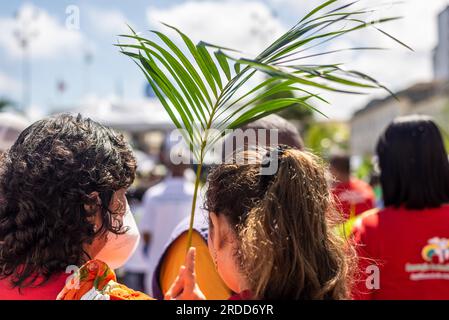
136, 268
163, 207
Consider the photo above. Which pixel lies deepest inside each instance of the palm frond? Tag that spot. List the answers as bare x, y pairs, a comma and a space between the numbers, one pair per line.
204, 86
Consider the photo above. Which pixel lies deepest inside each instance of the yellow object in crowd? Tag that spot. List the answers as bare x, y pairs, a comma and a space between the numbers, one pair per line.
207, 277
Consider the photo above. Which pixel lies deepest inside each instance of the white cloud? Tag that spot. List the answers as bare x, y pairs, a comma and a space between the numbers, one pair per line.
108, 21
397, 68
8, 86
233, 23
295, 6
248, 26
51, 37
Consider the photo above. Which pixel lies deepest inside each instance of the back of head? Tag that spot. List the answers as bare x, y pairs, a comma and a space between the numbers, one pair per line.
47, 177
340, 166
283, 222
175, 156
413, 163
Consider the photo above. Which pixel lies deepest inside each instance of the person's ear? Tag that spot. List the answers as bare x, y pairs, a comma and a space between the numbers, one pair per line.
94, 202
214, 230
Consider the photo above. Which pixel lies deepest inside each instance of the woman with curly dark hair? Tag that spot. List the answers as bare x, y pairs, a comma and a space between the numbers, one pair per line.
63, 203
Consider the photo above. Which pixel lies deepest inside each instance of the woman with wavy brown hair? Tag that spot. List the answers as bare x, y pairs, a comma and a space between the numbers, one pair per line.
271, 234
62, 187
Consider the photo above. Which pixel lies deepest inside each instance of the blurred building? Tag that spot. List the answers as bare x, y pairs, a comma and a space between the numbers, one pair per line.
441, 52
424, 98
431, 98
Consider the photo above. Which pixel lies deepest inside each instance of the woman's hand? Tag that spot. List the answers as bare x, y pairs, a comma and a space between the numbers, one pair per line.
185, 287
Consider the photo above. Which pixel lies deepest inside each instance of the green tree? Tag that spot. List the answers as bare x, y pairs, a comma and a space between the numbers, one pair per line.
325, 137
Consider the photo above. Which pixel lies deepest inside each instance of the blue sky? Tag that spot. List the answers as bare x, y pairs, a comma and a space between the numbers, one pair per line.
58, 52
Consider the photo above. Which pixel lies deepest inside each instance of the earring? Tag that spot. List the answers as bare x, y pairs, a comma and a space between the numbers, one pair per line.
95, 228
215, 260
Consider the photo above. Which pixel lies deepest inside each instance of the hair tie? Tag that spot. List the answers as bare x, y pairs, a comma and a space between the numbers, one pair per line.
266, 170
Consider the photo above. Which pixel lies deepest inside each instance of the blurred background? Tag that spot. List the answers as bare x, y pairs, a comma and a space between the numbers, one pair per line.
59, 56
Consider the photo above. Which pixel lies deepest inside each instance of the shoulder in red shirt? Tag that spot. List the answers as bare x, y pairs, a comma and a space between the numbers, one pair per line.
47, 291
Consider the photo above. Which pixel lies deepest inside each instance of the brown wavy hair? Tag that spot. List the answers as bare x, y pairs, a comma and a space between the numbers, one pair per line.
285, 227
46, 179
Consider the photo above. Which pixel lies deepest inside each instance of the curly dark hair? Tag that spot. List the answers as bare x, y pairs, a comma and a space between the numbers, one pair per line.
46, 179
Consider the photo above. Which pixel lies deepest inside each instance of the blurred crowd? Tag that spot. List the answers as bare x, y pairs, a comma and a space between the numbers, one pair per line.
310, 231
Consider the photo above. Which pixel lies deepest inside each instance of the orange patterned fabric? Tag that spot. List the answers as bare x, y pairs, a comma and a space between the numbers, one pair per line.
96, 274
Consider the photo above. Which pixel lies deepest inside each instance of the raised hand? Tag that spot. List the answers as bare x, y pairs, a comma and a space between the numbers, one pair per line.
185, 287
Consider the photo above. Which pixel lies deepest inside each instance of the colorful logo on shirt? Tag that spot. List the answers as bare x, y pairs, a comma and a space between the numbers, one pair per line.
437, 248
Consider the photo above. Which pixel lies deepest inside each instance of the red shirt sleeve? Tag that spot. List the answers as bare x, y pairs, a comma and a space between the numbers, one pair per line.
364, 234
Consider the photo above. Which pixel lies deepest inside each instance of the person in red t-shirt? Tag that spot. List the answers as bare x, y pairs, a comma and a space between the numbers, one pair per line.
404, 248
353, 196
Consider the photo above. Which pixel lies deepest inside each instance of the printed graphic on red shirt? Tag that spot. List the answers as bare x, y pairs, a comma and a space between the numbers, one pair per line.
435, 266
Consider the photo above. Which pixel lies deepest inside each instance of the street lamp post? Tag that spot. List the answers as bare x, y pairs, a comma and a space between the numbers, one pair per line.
88, 59
24, 34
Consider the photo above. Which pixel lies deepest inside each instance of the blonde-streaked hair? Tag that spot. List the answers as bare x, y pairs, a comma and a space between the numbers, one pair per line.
287, 247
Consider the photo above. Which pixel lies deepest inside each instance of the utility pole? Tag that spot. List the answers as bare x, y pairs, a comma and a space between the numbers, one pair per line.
24, 34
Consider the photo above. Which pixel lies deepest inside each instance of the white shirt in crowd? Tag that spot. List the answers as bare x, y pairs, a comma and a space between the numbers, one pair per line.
164, 206
138, 263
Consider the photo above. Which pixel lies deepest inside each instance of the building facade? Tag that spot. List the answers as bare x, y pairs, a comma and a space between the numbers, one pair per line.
368, 123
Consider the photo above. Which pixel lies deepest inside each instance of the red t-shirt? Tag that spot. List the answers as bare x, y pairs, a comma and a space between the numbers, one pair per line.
354, 195
410, 248
48, 291
244, 295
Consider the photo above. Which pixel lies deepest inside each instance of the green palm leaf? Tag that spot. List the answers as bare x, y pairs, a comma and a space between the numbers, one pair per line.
205, 86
